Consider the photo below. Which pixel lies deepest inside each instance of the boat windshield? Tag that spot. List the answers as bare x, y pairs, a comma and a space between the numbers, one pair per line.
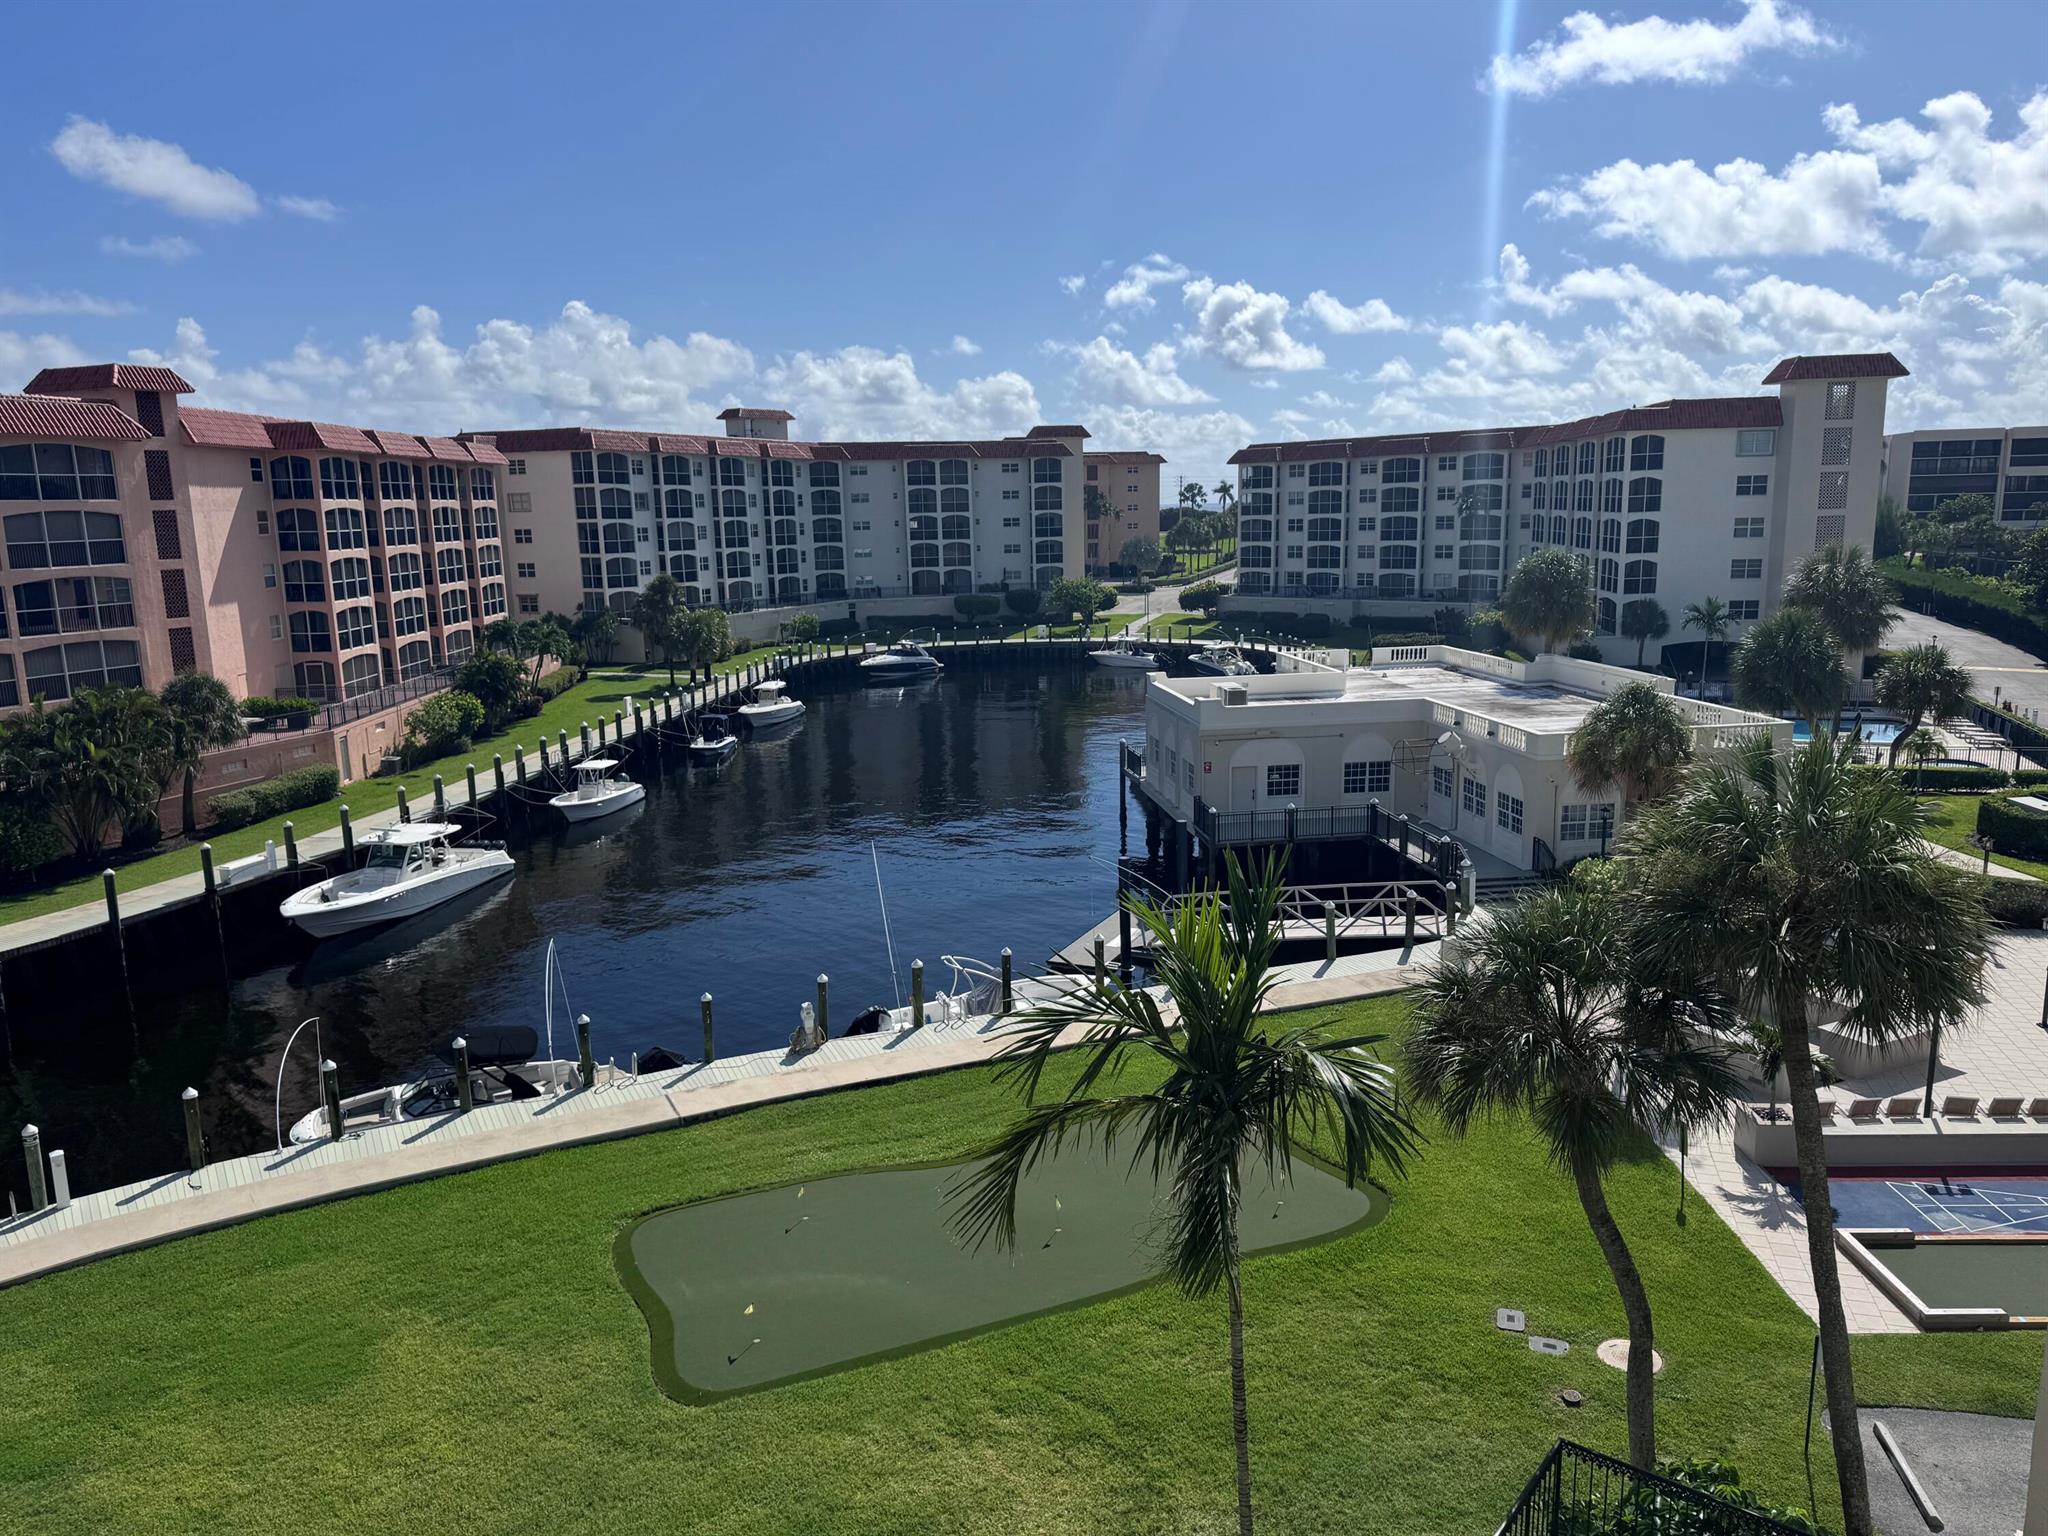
387, 856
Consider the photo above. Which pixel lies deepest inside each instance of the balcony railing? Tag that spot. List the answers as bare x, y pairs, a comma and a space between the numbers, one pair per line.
1321, 824
1580, 1492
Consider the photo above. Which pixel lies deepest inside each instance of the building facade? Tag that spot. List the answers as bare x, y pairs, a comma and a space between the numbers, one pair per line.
145, 539
1128, 487
756, 518
2009, 465
1669, 503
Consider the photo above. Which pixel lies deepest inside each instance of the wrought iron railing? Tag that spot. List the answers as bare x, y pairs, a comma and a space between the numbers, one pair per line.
1580, 1492
1328, 823
342, 711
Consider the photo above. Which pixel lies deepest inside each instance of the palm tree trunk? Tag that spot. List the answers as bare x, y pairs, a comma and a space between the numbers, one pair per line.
1240, 1419
1635, 1305
188, 803
1843, 1429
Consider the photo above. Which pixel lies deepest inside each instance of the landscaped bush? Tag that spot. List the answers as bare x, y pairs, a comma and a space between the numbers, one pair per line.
273, 797
445, 723
2013, 828
1964, 600
2017, 903
27, 839
1583, 650
1406, 637
557, 682
263, 707
1485, 631
1022, 601
975, 608
833, 629
1313, 626
1202, 597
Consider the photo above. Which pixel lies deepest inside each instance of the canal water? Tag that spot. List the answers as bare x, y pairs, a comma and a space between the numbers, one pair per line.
988, 798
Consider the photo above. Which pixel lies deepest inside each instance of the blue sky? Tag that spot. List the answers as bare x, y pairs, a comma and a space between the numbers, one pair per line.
1189, 226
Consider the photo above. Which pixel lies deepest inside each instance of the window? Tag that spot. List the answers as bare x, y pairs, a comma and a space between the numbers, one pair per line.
522, 535
345, 527
1646, 452
519, 503
449, 567
40, 540
71, 604
448, 525
1749, 528
1475, 798
1606, 616
455, 606
58, 671
1743, 608
1508, 813
310, 632
406, 573
1756, 443
493, 598
482, 485
304, 582
339, 480
1834, 445
529, 603
1639, 578
256, 471
1610, 576
1485, 466
1400, 471
1283, 781
1752, 485
1440, 780
1746, 570
298, 528
355, 628
56, 472
1584, 823
1613, 458
269, 574
1642, 536
486, 522
1368, 778
1326, 473
1841, 402
515, 466
1588, 452
408, 616
414, 658
351, 578
1645, 494
526, 571
442, 485
291, 479
490, 560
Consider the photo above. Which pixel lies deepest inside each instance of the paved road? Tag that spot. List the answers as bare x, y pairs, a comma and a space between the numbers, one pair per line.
1972, 1466
2013, 676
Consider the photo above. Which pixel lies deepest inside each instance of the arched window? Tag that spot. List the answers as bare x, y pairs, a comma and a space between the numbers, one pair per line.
355, 627
304, 582
1582, 533
924, 525
959, 554
1639, 577
952, 471
405, 573
1642, 536
958, 581
924, 581
401, 526
1585, 497
1612, 456
677, 504
1610, 576
1606, 615
449, 567
1050, 552
1588, 453
614, 469
622, 573
408, 616
831, 584
1325, 503
1645, 494
734, 535
442, 484
394, 481
922, 504
313, 679
921, 472
361, 675
1048, 526
781, 531
1256, 530
291, 479
1402, 498
784, 562
782, 503
826, 530
1480, 525
1559, 528
494, 598
733, 504
345, 526
310, 632
617, 505
737, 563
1394, 529
1396, 584
414, 658
1610, 497
351, 578
953, 503
828, 557
1045, 471
923, 556
1646, 452
1610, 536
825, 503
1326, 530
338, 480
483, 485
618, 539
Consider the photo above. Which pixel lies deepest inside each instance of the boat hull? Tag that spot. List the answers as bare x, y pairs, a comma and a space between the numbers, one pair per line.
626, 793
353, 914
896, 672
1125, 661
758, 715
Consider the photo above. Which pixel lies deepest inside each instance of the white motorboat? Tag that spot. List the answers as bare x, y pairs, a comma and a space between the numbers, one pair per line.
1125, 656
597, 791
904, 659
412, 867
501, 1071
712, 741
770, 705
1222, 661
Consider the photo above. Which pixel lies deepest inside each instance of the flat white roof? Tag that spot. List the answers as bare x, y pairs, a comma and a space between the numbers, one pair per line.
1531, 706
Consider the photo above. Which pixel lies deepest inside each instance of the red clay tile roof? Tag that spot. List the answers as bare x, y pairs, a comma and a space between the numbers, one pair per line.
206, 428
446, 448
397, 445
1066, 431
65, 381
566, 439
312, 436
1123, 458
47, 416
664, 442
1664, 416
484, 453
733, 412
1837, 365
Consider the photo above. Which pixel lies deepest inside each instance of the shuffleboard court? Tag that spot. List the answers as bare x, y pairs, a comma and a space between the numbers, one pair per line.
2014, 1203
758, 1289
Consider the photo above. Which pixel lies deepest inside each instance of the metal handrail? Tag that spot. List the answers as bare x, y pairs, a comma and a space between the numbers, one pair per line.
1576, 1491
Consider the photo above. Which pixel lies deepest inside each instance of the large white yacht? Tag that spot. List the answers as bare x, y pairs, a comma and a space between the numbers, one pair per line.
904, 659
411, 867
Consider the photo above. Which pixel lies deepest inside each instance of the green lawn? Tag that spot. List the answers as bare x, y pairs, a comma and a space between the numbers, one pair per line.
461, 1355
1955, 818
602, 693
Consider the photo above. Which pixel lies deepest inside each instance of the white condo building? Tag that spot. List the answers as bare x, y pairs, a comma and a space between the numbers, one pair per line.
2007, 464
1671, 502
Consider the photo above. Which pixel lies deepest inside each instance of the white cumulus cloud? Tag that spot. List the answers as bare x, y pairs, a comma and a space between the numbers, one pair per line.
319, 209
153, 169
1596, 51
1245, 328
1103, 370
1351, 319
1134, 289
17, 301
166, 248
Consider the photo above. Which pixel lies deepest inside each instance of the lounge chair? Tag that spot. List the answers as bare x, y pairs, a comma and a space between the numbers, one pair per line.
1906, 1107
1865, 1109
1959, 1106
2037, 1109
2005, 1109
1827, 1107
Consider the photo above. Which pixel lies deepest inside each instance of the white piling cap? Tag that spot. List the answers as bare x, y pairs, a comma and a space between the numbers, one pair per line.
823, 977
705, 998
29, 1130
582, 1018
189, 1095
461, 1044
329, 1066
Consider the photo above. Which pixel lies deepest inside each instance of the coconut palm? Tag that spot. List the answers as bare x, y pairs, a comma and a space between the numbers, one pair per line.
1550, 1010
1921, 681
203, 715
1635, 738
1847, 591
1642, 621
1922, 745
1791, 661
1804, 884
1239, 1093
1710, 617
1549, 598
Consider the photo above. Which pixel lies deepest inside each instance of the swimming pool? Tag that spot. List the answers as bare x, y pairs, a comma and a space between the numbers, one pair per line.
759, 1289
1880, 733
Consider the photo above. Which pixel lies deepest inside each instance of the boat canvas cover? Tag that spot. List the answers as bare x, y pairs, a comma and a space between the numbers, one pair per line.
499, 1045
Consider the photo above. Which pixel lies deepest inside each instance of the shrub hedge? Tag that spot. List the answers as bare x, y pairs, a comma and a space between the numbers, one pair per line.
273, 797
561, 680
972, 605
1950, 596
2013, 828
1202, 597
263, 707
2017, 903
1023, 601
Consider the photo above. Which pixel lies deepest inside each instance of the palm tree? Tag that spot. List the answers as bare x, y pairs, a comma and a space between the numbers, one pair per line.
597, 631
1847, 591
1551, 1011
1791, 660
658, 611
1923, 744
1804, 884
1918, 682
1237, 1092
1635, 738
1710, 617
1642, 621
1226, 495
203, 716
1549, 598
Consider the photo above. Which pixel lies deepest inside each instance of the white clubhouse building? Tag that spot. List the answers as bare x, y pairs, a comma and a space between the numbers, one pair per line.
1460, 742
1670, 503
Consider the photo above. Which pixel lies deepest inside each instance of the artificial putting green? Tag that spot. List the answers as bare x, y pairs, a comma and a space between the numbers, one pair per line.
776, 1285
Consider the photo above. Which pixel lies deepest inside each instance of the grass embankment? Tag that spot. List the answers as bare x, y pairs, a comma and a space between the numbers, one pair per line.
1954, 817
461, 1355
603, 692
1998, 1373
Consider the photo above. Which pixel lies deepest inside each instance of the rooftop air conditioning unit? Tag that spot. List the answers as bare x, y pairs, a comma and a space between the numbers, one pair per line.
1233, 693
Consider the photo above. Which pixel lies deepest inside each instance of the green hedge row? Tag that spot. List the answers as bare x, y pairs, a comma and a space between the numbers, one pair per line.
263, 707
2017, 903
1300, 626
2013, 828
1945, 594
559, 681
273, 797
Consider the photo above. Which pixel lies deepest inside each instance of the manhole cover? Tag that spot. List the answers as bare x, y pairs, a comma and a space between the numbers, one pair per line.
1614, 1352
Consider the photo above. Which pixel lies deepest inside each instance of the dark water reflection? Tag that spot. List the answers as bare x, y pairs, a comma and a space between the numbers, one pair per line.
989, 796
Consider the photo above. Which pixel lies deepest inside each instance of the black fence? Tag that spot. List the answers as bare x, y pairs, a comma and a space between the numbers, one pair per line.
1579, 1492
1327, 824
342, 711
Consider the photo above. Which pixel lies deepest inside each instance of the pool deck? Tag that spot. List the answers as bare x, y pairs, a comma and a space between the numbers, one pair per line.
174, 1205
